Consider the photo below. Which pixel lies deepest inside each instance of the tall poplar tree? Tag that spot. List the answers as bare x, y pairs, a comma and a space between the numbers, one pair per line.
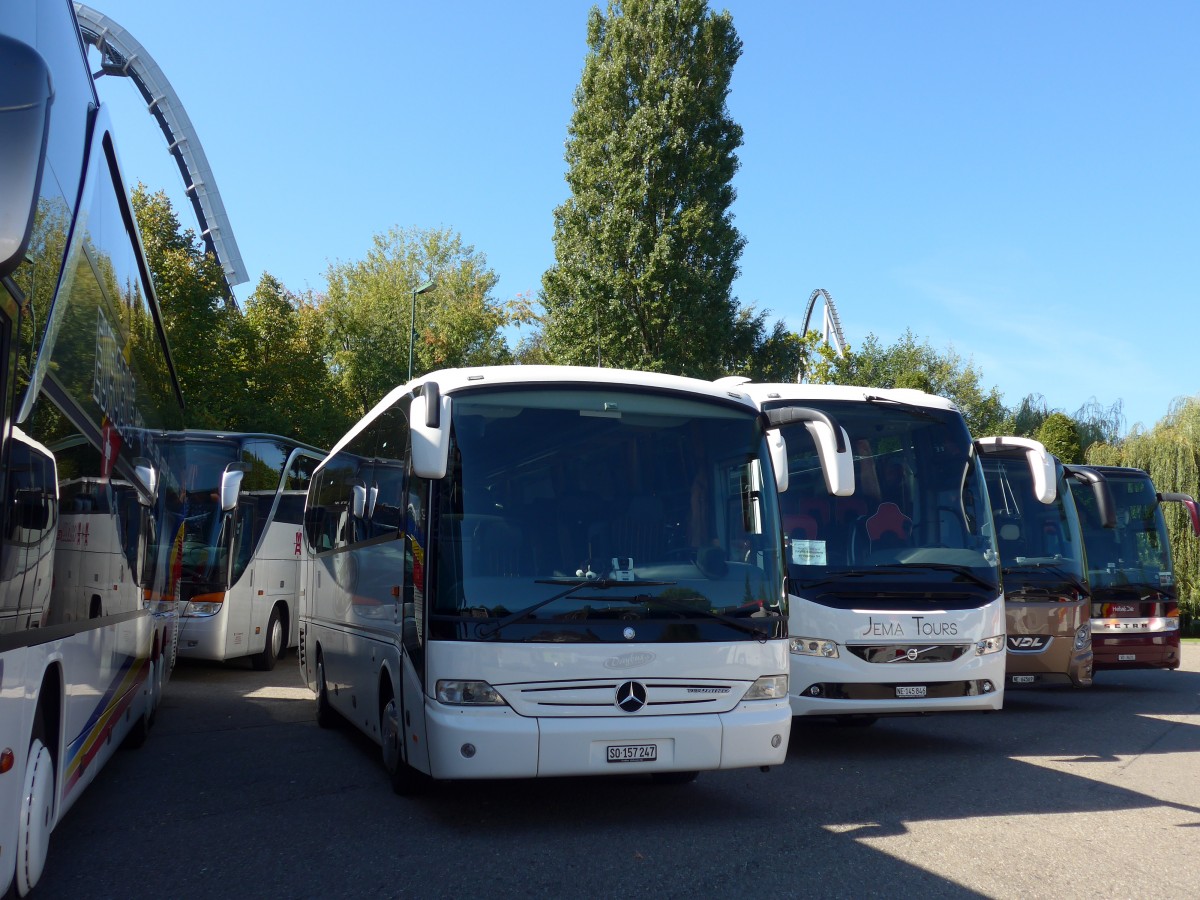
645, 247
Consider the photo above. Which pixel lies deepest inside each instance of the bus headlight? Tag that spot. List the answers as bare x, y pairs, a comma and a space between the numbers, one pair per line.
1083, 636
807, 646
204, 605
1166, 623
468, 693
769, 687
989, 645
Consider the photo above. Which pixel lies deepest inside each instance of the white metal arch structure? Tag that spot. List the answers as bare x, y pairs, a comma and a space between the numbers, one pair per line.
831, 326
121, 54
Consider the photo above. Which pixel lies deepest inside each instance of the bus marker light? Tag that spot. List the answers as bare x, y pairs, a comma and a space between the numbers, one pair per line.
7, 759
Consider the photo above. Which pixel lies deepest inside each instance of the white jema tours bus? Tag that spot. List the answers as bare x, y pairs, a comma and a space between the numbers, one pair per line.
896, 603
533, 571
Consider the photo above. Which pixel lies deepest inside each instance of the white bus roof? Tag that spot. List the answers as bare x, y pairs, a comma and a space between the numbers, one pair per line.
450, 381
802, 392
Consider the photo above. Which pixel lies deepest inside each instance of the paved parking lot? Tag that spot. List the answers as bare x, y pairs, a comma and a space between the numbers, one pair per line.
1066, 793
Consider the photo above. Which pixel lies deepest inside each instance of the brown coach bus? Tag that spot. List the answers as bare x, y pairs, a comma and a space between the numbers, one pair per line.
1047, 596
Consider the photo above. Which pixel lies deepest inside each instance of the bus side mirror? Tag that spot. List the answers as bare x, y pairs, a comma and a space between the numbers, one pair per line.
778, 448
148, 476
1105, 505
1040, 460
1189, 504
430, 440
231, 485
832, 442
25, 97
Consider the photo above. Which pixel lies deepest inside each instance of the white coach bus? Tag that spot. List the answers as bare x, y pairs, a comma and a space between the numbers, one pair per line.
243, 504
896, 600
533, 571
87, 388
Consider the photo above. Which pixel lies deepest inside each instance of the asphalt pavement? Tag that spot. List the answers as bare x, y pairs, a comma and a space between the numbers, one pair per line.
1066, 793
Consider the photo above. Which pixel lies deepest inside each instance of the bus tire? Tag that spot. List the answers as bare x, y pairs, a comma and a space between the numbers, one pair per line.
673, 777
273, 649
36, 813
326, 716
406, 781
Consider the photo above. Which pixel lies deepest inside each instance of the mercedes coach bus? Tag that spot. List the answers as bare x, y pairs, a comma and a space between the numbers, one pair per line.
242, 508
1135, 608
896, 601
1047, 595
87, 604
533, 571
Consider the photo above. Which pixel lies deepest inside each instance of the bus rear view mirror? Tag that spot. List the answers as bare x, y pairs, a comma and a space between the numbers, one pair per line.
430, 441
25, 97
1040, 460
148, 476
778, 448
1106, 506
1189, 504
231, 485
831, 440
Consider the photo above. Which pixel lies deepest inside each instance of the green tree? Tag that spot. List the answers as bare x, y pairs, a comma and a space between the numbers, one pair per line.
1060, 436
203, 328
284, 357
370, 304
645, 247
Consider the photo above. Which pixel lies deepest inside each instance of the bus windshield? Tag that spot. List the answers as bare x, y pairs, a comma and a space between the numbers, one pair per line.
1137, 553
1039, 543
606, 515
211, 537
919, 509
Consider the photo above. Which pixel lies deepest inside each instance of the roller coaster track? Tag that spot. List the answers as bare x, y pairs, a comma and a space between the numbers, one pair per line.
121, 54
831, 325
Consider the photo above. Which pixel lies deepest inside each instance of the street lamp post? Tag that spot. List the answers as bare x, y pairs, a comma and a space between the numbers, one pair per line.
412, 325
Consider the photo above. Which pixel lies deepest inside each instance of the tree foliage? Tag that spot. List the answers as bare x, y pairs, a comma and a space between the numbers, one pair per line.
370, 304
645, 247
1060, 436
204, 331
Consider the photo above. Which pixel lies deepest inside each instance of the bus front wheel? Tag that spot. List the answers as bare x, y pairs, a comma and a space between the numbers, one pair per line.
325, 712
406, 781
265, 661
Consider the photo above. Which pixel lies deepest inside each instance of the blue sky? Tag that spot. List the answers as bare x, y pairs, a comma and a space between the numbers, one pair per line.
1017, 181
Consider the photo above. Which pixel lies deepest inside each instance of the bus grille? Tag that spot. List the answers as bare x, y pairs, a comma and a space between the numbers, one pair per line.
901, 653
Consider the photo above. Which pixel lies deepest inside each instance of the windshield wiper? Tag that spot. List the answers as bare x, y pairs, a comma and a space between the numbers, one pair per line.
760, 634
490, 629
1055, 568
907, 407
905, 569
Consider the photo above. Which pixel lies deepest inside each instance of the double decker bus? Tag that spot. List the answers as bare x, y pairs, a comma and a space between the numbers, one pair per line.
1135, 602
1047, 596
896, 600
87, 595
532, 571
242, 508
